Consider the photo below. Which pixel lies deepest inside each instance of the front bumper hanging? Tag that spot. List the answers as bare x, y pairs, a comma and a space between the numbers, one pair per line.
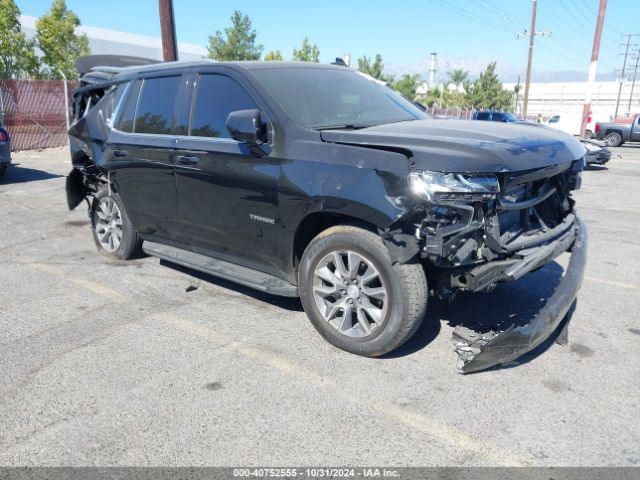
480, 352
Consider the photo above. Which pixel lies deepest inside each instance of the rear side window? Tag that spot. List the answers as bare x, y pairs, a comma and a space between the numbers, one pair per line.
155, 112
216, 97
499, 117
125, 122
482, 116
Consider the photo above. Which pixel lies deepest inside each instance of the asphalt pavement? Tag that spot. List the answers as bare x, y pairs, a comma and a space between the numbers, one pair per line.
109, 363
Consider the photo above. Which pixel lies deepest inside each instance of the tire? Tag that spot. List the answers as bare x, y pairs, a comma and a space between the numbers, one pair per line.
588, 134
391, 319
613, 139
107, 212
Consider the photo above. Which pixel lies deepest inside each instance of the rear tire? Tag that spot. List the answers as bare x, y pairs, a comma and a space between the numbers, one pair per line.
354, 297
112, 230
613, 139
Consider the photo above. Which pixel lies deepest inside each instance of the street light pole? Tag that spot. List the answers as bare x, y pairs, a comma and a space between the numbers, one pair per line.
168, 31
593, 67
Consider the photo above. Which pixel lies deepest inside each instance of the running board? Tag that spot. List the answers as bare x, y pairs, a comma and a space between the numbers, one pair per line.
219, 268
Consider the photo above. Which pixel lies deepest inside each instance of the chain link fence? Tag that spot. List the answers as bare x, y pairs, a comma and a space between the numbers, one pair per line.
35, 113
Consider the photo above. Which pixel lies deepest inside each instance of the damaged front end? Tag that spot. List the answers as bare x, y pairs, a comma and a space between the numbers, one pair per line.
483, 230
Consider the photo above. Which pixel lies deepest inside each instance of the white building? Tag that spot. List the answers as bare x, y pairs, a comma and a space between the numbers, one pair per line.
552, 98
112, 42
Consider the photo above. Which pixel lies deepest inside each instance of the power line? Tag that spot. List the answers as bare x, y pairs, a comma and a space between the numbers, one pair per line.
471, 15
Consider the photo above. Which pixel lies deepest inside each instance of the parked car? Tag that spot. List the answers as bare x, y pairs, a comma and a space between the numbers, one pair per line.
309, 180
615, 134
495, 116
597, 152
5, 151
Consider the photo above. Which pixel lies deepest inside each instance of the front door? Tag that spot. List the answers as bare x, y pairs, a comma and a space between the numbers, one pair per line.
227, 192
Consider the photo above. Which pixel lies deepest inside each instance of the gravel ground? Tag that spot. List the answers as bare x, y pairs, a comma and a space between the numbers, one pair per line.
114, 363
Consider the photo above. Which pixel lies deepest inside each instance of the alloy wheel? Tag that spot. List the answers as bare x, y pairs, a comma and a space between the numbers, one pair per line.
108, 224
350, 293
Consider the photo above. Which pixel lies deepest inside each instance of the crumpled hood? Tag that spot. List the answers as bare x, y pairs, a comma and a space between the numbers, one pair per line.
466, 145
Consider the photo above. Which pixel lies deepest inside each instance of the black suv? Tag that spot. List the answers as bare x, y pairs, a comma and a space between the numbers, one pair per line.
310, 180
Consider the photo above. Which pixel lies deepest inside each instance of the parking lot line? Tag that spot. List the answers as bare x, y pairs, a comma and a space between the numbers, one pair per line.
612, 283
94, 287
414, 420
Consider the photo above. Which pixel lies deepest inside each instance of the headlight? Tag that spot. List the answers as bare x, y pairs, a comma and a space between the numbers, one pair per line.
592, 148
440, 187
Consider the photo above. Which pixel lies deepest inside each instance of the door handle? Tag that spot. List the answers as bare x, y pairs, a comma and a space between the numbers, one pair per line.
120, 153
187, 160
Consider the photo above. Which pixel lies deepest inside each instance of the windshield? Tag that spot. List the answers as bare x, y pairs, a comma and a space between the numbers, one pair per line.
330, 98
511, 117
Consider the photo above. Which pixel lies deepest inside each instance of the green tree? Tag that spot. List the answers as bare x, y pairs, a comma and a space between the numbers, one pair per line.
307, 53
17, 54
238, 41
56, 36
487, 91
375, 68
458, 77
407, 85
272, 56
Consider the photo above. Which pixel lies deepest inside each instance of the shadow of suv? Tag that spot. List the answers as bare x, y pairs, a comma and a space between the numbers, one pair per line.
309, 180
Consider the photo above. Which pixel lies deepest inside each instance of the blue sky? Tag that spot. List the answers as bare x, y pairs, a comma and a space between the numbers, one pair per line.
403, 31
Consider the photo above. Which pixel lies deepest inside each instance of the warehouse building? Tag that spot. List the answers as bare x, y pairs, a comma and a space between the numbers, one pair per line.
112, 42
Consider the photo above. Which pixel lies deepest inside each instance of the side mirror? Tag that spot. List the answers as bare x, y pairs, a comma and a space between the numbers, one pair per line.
245, 126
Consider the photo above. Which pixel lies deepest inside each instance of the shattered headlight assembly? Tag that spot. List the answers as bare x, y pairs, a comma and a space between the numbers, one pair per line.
437, 187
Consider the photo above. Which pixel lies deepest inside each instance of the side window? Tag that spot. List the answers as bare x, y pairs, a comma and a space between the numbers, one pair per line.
125, 122
482, 116
156, 105
216, 97
554, 119
499, 117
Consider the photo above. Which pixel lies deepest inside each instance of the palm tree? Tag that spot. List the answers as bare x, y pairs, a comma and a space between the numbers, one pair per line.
458, 76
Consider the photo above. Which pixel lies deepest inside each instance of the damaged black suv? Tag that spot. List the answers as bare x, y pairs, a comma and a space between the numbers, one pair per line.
314, 181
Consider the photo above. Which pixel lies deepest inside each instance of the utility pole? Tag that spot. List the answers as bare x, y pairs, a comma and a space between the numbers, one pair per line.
168, 31
633, 82
532, 33
624, 67
593, 67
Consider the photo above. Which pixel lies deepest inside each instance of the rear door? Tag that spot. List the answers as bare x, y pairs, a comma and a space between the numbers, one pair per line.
142, 150
227, 191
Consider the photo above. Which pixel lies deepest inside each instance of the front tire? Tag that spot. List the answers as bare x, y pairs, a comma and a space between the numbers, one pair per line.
112, 230
355, 298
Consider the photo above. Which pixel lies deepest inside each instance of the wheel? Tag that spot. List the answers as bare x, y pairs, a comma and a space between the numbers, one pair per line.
356, 299
112, 230
588, 134
613, 139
